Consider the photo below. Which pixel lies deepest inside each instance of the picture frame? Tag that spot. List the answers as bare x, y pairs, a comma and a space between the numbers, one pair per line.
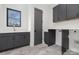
13, 18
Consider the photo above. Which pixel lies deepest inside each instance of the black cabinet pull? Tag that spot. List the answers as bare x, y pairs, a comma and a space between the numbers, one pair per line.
34, 30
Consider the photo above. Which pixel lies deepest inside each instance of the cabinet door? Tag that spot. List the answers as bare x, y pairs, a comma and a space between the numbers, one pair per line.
52, 34
6, 42
61, 12
72, 10
27, 38
55, 14
46, 38
65, 40
19, 40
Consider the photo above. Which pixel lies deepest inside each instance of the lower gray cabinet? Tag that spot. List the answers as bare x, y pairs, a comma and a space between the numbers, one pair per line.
6, 42
13, 40
52, 33
65, 40
27, 38
49, 37
19, 40
46, 37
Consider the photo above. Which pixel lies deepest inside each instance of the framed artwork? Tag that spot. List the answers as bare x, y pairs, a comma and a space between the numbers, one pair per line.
13, 18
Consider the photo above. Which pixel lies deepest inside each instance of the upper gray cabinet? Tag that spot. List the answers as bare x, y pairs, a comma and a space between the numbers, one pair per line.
65, 12
55, 14
72, 11
61, 12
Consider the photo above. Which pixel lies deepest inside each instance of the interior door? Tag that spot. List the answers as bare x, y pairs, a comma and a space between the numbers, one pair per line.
65, 40
38, 26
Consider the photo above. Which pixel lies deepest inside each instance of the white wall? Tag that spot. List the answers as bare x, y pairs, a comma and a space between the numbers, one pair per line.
24, 18
58, 37
71, 24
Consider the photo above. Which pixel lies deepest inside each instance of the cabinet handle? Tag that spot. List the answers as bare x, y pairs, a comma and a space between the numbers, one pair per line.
34, 30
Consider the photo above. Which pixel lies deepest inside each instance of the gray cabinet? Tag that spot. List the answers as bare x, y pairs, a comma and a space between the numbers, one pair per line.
5, 42
64, 12
55, 14
46, 38
50, 37
52, 33
19, 40
13, 40
72, 11
65, 41
61, 12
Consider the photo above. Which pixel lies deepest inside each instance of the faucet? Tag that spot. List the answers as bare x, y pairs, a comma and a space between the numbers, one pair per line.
14, 27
